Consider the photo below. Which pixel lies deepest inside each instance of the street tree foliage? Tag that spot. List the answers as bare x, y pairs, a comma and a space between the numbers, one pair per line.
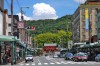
59, 38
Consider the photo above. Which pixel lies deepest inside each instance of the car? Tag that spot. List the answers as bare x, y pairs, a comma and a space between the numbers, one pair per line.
80, 57
56, 54
29, 58
68, 56
97, 58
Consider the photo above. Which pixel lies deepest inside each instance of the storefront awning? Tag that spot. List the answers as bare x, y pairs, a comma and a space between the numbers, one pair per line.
7, 38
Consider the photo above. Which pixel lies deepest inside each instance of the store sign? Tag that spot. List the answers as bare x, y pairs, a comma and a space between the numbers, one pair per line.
1, 23
20, 24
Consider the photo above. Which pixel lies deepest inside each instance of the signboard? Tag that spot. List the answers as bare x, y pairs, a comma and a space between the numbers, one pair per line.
86, 19
20, 24
1, 23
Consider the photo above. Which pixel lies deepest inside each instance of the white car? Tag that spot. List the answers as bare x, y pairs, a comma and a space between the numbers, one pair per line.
29, 58
55, 56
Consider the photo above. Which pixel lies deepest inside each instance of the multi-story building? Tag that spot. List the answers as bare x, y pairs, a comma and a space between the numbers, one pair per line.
98, 24
15, 29
1, 16
1, 25
84, 22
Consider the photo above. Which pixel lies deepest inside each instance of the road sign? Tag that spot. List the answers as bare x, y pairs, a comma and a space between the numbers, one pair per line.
20, 24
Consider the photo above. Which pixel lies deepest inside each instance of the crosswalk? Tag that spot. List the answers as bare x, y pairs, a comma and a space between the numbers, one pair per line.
52, 63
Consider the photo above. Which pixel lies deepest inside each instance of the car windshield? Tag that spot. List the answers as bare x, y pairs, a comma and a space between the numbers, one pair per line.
29, 56
81, 55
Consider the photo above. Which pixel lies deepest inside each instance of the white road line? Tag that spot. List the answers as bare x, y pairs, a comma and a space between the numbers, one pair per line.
27, 64
39, 64
52, 63
33, 63
65, 63
58, 63
46, 63
21, 64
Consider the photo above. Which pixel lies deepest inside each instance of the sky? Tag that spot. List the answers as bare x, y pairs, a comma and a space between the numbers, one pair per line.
44, 9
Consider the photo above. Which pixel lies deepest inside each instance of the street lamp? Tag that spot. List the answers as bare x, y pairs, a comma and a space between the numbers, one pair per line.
22, 12
23, 32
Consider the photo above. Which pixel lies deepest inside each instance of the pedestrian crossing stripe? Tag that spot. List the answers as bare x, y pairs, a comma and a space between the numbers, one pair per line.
52, 63
60, 63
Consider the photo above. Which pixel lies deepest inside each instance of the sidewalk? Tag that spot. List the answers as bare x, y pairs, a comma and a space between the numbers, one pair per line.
9, 64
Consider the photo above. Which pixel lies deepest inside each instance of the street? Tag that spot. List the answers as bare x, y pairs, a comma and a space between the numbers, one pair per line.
49, 61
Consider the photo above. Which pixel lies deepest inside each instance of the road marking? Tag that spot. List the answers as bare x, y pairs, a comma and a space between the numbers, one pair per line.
39, 64
46, 63
27, 64
33, 64
21, 64
52, 63
58, 63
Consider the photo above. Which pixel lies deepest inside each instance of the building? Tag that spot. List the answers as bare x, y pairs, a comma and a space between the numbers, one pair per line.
1, 16
84, 21
1, 24
15, 28
98, 24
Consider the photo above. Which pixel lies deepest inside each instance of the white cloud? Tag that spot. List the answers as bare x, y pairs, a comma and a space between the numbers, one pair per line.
25, 17
80, 1
43, 11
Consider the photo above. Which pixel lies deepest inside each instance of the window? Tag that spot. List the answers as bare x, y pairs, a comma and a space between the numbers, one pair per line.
9, 33
9, 25
99, 19
98, 30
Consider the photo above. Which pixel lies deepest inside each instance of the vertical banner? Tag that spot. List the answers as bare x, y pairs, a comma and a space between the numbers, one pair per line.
87, 19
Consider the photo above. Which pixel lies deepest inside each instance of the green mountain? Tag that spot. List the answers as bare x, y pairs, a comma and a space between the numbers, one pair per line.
49, 25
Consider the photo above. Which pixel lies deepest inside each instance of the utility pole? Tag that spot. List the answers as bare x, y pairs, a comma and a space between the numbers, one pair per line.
13, 60
24, 35
12, 17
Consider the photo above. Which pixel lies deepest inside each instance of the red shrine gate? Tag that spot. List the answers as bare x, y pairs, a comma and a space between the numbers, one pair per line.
50, 47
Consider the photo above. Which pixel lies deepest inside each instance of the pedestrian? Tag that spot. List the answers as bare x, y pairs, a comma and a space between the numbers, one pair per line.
3, 58
6, 59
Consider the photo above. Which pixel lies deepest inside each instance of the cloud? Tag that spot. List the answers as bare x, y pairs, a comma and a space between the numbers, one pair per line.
25, 17
43, 11
80, 1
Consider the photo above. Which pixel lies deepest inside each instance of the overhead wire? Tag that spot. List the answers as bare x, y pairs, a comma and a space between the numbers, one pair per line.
8, 4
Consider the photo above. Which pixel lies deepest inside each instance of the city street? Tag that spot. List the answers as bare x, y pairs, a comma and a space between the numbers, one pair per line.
49, 61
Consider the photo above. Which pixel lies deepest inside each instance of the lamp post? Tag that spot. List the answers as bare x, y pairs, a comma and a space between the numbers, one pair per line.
22, 30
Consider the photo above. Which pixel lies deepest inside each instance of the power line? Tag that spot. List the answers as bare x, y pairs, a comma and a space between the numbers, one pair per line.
8, 4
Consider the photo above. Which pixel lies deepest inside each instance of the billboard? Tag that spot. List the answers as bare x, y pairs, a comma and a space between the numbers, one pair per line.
1, 23
86, 19
20, 25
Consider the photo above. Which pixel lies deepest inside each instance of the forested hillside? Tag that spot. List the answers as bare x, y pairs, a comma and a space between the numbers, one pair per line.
43, 26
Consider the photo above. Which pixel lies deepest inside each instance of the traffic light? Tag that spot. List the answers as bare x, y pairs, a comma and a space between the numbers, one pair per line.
31, 27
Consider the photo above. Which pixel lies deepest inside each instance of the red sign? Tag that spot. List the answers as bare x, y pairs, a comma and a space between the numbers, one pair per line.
20, 24
50, 48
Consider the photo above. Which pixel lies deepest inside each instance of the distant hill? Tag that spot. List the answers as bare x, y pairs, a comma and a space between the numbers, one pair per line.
49, 25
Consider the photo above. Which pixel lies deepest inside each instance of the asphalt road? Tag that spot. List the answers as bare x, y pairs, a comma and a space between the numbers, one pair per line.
49, 61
